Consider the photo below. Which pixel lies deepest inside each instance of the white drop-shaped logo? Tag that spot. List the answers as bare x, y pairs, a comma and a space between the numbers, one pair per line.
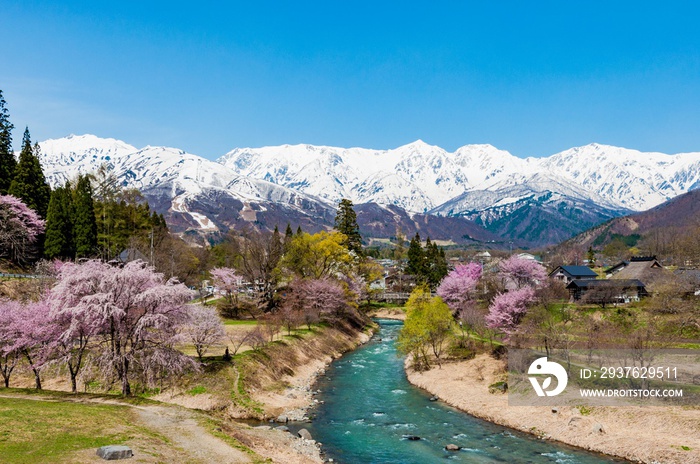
543, 367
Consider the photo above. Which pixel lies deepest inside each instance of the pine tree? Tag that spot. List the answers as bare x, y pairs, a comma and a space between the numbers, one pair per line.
436, 263
346, 223
416, 258
299, 231
8, 163
84, 222
288, 234
59, 225
29, 183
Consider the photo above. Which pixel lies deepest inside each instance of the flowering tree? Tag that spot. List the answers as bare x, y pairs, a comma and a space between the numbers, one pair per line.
20, 226
229, 281
325, 297
508, 309
203, 329
9, 355
458, 287
135, 314
33, 332
522, 272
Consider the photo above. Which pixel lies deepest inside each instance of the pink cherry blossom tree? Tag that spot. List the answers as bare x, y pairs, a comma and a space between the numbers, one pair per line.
228, 280
203, 329
9, 355
313, 299
522, 272
34, 332
326, 297
136, 314
20, 226
78, 325
508, 309
458, 287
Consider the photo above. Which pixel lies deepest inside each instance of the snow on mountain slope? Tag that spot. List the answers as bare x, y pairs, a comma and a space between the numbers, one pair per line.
479, 182
638, 180
420, 177
62, 159
169, 177
416, 176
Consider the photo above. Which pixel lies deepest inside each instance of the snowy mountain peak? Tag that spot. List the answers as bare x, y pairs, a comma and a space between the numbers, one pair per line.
417, 176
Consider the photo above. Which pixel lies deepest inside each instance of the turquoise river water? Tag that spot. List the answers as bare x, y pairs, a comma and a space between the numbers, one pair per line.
369, 408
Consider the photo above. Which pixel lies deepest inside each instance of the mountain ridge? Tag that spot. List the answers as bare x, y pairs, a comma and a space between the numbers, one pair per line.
477, 183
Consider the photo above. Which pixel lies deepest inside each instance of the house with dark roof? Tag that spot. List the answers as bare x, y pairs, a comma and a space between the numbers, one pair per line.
612, 270
607, 291
645, 268
568, 274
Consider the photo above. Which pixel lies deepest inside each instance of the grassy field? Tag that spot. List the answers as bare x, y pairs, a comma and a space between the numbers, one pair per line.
38, 431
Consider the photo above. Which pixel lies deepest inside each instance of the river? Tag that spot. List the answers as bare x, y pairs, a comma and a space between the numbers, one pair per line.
369, 409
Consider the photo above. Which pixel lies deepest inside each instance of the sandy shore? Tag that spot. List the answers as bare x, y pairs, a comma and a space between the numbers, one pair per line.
389, 313
668, 435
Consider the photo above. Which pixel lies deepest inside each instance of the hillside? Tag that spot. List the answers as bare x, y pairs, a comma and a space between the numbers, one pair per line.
680, 213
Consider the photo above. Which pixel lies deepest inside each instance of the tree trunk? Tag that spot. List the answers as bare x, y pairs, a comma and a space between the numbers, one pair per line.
73, 380
126, 388
37, 377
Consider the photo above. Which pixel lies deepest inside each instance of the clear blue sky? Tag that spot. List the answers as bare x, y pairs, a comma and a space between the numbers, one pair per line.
533, 78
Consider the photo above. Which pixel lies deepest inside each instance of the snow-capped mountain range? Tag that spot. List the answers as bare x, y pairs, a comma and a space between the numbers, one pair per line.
478, 182
421, 177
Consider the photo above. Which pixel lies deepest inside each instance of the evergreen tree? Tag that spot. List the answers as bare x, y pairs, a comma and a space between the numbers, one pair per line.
8, 163
436, 263
84, 222
416, 258
346, 223
59, 225
29, 183
288, 234
299, 231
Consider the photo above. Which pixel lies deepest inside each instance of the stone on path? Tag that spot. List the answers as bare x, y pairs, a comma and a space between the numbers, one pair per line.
114, 452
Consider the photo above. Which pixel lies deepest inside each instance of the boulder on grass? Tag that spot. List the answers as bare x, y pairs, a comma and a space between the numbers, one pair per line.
114, 452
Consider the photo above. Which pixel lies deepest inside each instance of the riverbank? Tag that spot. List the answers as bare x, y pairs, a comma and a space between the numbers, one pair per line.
397, 314
285, 390
668, 435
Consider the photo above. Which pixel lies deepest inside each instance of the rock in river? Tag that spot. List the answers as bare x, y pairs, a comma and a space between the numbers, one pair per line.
303, 433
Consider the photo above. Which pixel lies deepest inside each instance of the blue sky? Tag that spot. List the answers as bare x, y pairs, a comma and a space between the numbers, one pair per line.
533, 78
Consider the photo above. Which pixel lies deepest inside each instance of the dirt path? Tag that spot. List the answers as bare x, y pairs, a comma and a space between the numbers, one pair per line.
174, 435
184, 432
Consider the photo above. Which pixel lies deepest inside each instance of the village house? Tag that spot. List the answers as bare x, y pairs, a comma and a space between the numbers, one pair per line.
644, 268
607, 291
568, 274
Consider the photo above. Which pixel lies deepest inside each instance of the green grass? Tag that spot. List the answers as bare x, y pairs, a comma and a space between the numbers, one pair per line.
198, 390
240, 322
35, 431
